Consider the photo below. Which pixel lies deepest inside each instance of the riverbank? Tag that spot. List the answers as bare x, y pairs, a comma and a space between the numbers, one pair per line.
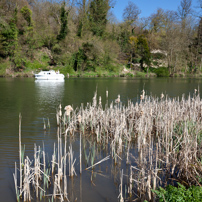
123, 72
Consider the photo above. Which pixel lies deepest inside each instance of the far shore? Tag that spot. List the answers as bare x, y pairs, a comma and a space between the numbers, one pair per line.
86, 74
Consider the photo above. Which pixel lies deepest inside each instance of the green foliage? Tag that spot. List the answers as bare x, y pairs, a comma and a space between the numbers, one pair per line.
161, 71
111, 67
158, 56
3, 66
41, 59
80, 27
124, 39
138, 51
9, 36
64, 27
98, 16
143, 51
19, 60
49, 41
3, 52
155, 63
36, 64
27, 14
57, 49
67, 69
85, 58
141, 74
179, 194
112, 43
129, 75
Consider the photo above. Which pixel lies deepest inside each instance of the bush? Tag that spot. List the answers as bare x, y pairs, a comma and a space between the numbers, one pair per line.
57, 49
158, 56
35, 65
3, 66
112, 68
141, 74
180, 193
67, 69
155, 63
129, 75
161, 71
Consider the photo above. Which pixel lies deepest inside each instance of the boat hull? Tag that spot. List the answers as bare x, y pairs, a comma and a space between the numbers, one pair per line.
49, 75
49, 78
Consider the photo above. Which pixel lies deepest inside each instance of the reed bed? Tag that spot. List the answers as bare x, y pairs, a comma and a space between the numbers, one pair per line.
167, 132
158, 139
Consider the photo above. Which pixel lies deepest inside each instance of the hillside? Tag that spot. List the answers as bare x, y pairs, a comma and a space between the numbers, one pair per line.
82, 38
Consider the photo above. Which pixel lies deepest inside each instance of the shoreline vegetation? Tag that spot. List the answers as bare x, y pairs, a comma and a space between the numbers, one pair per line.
153, 143
83, 38
125, 72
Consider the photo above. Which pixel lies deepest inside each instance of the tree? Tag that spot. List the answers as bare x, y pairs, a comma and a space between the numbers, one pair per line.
133, 48
86, 57
9, 33
157, 20
131, 13
143, 51
64, 27
82, 17
27, 14
184, 9
98, 11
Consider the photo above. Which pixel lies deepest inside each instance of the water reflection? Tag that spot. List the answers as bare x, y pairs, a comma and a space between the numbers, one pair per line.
49, 92
37, 101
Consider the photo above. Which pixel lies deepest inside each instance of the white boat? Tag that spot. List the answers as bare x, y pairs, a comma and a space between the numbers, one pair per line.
49, 75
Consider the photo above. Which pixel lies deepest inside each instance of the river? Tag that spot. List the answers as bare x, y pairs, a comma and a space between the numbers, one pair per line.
37, 102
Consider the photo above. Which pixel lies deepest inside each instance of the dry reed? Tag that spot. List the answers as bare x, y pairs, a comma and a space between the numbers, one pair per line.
166, 131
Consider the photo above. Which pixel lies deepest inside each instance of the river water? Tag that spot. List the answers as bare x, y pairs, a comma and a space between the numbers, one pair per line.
37, 102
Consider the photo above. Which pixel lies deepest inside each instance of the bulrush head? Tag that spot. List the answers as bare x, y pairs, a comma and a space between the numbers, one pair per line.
143, 95
60, 111
118, 99
100, 100
79, 118
68, 110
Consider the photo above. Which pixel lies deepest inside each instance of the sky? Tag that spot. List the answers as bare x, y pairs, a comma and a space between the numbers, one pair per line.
148, 7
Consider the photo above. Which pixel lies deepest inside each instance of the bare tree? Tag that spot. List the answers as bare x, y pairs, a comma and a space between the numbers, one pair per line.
131, 13
184, 9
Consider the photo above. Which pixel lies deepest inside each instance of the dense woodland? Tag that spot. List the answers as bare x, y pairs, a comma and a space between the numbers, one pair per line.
77, 36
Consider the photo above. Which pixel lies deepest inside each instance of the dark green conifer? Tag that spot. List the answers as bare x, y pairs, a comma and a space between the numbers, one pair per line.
64, 26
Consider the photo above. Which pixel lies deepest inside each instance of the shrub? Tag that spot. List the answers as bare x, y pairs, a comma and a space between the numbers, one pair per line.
3, 66
67, 69
155, 63
111, 68
57, 49
158, 56
161, 71
35, 64
129, 75
180, 193
140, 74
